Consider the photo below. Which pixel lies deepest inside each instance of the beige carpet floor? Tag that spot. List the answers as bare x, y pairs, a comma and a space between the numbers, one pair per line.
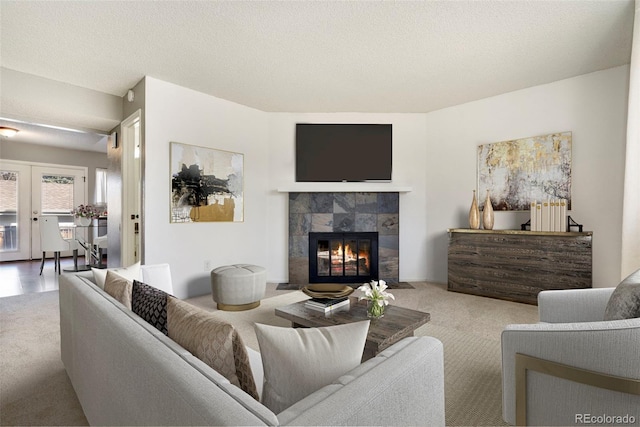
34, 388
468, 326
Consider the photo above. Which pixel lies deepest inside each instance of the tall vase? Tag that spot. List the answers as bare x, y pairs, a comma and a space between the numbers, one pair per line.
474, 213
487, 214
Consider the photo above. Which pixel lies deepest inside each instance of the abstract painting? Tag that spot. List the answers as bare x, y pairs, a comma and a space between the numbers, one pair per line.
521, 171
206, 184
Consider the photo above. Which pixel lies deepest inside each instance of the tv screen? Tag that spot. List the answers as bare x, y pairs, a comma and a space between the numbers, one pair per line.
343, 152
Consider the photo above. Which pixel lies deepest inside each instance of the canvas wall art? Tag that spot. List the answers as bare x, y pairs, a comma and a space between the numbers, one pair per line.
521, 171
206, 184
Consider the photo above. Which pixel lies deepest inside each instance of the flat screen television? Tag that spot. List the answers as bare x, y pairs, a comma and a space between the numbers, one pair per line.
343, 152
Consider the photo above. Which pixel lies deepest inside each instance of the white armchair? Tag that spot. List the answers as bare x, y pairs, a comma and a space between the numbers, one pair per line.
572, 368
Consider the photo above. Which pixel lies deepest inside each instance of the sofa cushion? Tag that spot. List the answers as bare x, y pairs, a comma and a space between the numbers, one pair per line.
118, 287
624, 302
211, 340
131, 272
150, 304
298, 362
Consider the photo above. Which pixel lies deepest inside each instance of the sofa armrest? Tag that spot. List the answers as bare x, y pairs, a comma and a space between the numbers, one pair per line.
611, 348
573, 305
403, 385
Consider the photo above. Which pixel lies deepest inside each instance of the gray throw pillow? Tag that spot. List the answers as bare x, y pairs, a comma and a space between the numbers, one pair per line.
624, 302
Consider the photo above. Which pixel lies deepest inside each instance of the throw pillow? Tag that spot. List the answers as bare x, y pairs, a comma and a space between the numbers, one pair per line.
213, 341
158, 276
119, 288
299, 361
132, 273
624, 302
150, 304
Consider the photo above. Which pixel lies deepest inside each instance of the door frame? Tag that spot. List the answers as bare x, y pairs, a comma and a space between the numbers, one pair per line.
132, 190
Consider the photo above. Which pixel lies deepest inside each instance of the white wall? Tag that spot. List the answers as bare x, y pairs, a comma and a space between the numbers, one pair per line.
593, 107
434, 153
409, 134
174, 113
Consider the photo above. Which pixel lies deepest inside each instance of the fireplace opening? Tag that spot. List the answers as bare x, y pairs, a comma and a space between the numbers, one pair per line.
343, 257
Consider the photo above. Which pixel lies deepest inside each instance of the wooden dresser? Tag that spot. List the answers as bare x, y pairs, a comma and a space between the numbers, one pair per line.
516, 265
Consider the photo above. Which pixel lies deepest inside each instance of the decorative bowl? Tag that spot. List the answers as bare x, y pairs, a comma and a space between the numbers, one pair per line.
327, 290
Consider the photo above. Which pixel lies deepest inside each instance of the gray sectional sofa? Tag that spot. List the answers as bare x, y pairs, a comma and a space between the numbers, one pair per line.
126, 372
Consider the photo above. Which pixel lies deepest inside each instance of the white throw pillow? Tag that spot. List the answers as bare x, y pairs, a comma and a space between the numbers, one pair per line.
158, 276
131, 273
299, 361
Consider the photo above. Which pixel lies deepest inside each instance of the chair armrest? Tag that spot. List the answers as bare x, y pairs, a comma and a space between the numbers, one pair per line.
573, 305
611, 348
403, 385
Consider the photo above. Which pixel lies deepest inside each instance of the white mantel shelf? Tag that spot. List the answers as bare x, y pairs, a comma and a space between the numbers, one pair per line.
343, 187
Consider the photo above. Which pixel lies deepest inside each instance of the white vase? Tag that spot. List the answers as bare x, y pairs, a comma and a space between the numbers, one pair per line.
83, 221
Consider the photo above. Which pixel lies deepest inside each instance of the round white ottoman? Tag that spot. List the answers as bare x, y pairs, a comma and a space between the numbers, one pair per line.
238, 287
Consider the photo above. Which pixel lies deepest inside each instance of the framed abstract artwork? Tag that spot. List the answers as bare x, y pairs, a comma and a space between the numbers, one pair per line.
521, 171
206, 184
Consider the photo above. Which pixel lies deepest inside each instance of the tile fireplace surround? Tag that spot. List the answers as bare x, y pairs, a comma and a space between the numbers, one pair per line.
343, 212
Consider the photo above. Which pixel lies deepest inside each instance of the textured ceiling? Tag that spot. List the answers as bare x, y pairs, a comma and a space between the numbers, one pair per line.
319, 56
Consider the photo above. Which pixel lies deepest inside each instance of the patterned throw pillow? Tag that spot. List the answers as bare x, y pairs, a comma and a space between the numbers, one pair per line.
211, 340
119, 288
624, 302
150, 304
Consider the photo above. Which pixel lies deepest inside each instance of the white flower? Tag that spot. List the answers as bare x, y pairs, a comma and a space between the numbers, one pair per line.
376, 291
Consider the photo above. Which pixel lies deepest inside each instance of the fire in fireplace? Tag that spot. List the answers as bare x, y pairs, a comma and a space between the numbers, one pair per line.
343, 257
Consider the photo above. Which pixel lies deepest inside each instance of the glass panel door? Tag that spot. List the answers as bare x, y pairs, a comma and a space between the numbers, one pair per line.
15, 235
351, 257
323, 257
57, 191
337, 257
28, 191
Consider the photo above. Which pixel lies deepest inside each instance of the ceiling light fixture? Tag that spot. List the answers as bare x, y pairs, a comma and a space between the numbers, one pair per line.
7, 132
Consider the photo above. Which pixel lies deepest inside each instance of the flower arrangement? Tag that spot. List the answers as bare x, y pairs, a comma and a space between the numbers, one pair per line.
87, 211
377, 297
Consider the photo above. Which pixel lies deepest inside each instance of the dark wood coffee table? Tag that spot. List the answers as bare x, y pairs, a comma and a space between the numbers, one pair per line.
397, 323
